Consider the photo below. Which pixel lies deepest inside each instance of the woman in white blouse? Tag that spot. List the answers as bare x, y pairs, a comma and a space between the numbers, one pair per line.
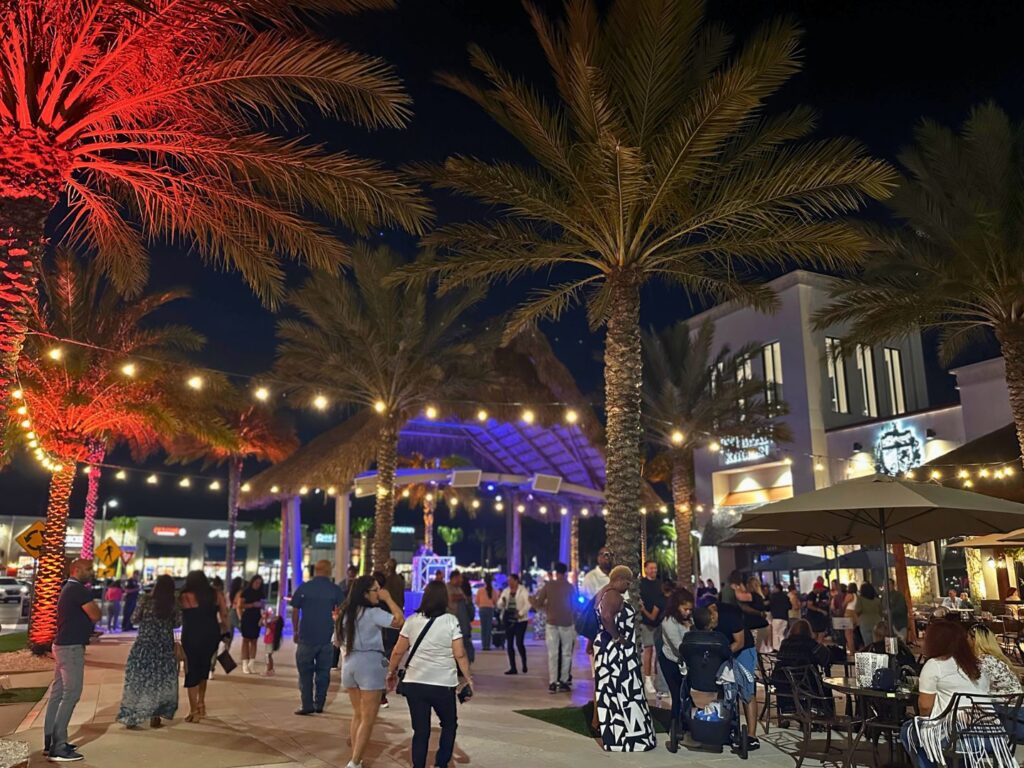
431, 674
514, 609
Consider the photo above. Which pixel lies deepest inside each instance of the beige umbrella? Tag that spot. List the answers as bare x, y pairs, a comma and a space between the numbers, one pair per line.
992, 540
880, 508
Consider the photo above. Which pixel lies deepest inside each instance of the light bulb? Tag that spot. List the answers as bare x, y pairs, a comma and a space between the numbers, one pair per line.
215, 485
963, 474
55, 354
910, 474
86, 470
22, 411
303, 490
481, 415
564, 511
454, 501
405, 494
604, 511
677, 437
380, 406
571, 417
129, 370
983, 473
584, 512
121, 474
936, 475
262, 394
152, 480
26, 423
819, 466
17, 394
499, 507
246, 487
543, 510
195, 382
320, 402
431, 412
714, 446
521, 508
58, 467
968, 483
33, 443
274, 489
429, 497
663, 509
787, 461
528, 416
475, 504
331, 490
1008, 471
185, 482
643, 510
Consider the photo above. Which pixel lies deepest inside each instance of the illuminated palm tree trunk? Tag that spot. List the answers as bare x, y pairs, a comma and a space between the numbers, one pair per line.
682, 503
50, 572
428, 525
234, 488
387, 462
899, 561
92, 496
622, 377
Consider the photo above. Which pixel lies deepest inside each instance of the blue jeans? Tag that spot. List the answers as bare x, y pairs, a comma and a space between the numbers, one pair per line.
68, 675
313, 663
486, 625
424, 699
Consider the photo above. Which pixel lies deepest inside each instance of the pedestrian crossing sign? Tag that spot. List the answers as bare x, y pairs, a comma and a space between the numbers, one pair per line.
108, 552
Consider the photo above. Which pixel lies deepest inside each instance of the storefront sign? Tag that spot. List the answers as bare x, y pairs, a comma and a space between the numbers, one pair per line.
222, 533
739, 449
73, 540
898, 450
330, 538
168, 530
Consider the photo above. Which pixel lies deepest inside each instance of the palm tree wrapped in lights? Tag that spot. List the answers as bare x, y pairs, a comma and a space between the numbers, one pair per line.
450, 536
654, 162
363, 527
696, 397
145, 119
390, 348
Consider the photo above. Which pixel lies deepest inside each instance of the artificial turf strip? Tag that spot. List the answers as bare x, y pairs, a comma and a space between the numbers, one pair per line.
22, 695
13, 642
575, 719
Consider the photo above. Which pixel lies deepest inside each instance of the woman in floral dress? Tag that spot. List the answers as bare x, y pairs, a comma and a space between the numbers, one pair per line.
151, 674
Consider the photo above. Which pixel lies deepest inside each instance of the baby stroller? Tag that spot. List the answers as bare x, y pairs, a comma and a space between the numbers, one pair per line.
709, 696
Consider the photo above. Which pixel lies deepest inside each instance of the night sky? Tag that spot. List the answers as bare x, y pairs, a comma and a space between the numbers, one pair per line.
873, 68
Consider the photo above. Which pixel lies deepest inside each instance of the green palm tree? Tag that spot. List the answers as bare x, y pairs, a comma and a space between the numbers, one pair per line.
694, 397
149, 119
450, 536
391, 348
363, 527
655, 162
955, 263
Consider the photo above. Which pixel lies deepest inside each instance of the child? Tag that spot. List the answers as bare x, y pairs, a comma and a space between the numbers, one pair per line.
273, 629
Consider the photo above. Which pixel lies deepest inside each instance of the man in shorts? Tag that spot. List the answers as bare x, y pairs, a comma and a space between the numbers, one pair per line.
652, 603
744, 655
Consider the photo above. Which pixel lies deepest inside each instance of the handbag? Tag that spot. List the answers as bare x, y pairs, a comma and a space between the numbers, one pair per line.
400, 688
227, 663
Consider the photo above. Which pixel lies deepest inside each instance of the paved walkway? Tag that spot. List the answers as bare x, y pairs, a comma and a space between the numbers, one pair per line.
251, 724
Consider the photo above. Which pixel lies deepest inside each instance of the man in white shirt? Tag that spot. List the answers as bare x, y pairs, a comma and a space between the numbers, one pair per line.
951, 601
597, 579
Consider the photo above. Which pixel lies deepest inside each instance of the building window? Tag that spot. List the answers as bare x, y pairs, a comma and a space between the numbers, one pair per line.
894, 372
836, 375
744, 373
866, 367
772, 359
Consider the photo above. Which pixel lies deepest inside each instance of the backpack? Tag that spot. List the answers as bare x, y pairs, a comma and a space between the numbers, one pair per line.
586, 623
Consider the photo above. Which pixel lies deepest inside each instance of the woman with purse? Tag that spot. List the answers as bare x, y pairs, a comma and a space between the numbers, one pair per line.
151, 673
430, 679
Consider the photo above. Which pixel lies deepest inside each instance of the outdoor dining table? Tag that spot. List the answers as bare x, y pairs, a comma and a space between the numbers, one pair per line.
883, 710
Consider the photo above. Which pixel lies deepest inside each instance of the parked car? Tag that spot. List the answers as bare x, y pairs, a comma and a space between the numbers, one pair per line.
12, 590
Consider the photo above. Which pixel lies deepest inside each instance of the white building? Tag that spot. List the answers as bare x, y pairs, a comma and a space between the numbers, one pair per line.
850, 410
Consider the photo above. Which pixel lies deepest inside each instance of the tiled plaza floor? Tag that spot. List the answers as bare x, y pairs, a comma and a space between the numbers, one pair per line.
250, 723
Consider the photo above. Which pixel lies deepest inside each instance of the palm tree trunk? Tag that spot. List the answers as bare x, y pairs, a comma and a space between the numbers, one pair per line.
95, 458
899, 559
22, 221
682, 502
384, 517
234, 488
622, 378
1011, 341
428, 526
52, 564
364, 551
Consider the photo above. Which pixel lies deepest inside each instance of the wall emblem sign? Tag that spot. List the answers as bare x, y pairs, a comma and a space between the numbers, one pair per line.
898, 450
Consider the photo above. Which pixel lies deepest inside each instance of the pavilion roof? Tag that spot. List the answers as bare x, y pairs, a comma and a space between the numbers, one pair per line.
529, 375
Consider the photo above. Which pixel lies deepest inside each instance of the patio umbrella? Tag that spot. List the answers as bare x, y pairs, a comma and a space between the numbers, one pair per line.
880, 509
992, 540
791, 561
871, 560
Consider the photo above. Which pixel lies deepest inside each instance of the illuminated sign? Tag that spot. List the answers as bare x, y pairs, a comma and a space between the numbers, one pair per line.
897, 450
73, 540
330, 538
222, 533
736, 450
168, 530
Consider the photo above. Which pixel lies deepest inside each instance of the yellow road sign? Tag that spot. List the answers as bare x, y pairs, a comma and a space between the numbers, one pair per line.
108, 552
31, 539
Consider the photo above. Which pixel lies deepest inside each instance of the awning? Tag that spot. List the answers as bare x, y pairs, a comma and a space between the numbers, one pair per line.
160, 549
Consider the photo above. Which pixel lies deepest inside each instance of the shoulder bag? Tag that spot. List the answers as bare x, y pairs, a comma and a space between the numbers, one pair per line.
400, 688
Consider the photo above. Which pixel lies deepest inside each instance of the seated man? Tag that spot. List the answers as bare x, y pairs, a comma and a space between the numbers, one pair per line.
951, 601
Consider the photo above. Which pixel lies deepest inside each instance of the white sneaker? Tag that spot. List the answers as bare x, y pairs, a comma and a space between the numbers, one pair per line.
354, 765
649, 686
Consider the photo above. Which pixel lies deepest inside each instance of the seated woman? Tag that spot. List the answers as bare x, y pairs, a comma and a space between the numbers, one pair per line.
951, 668
904, 656
993, 661
798, 650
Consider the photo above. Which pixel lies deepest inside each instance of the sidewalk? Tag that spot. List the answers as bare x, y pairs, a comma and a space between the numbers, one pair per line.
250, 723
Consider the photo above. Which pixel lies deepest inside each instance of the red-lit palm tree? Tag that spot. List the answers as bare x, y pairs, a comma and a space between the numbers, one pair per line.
255, 432
147, 118
109, 386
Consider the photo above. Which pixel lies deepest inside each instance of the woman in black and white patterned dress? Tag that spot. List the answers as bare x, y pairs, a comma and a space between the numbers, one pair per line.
623, 716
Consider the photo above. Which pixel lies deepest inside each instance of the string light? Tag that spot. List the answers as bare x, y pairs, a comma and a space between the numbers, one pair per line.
22, 410
405, 494
320, 402
55, 354
499, 507
963, 474
215, 485
86, 470
571, 417
475, 504
983, 473
714, 446
787, 461
331, 490
543, 510
17, 394
521, 508
528, 416
129, 370
910, 474
303, 490
936, 475
152, 480
819, 466
429, 497
677, 437
380, 406
262, 394
643, 510
121, 475
454, 502
246, 487
195, 382
968, 483
26, 424
604, 512
185, 482
584, 512
274, 489
431, 412
481, 415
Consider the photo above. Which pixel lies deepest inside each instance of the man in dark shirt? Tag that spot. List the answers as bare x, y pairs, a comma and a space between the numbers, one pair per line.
732, 624
652, 603
77, 614
131, 599
779, 605
313, 606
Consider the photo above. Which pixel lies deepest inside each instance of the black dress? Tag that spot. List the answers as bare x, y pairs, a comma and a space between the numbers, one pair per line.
250, 624
200, 635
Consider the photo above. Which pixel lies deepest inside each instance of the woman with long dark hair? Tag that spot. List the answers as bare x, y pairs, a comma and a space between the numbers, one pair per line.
362, 645
952, 668
675, 625
151, 673
203, 611
251, 605
431, 675
486, 599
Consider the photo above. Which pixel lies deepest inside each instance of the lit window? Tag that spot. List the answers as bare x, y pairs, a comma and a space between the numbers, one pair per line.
772, 359
836, 375
894, 373
744, 373
866, 367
